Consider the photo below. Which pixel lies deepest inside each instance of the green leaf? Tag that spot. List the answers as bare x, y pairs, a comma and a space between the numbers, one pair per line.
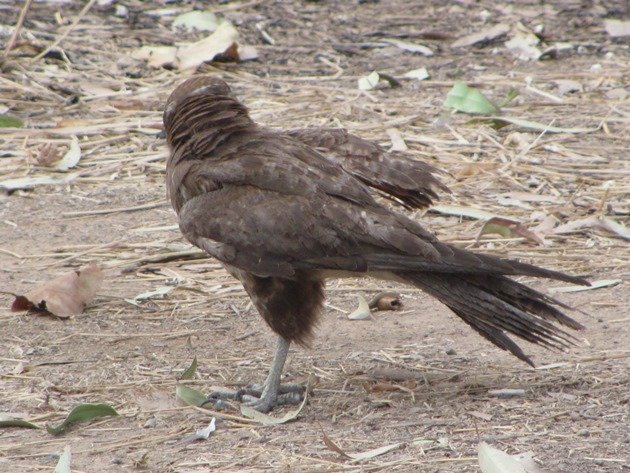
190, 371
63, 465
18, 423
468, 100
82, 413
190, 396
7, 121
509, 228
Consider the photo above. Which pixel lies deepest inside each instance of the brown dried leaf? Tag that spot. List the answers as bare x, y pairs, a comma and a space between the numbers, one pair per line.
47, 154
386, 301
63, 296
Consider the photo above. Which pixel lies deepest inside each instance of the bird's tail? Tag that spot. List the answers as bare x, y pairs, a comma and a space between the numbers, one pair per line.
496, 305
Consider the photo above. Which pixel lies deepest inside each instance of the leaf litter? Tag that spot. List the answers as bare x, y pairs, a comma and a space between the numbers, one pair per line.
121, 160
64, 296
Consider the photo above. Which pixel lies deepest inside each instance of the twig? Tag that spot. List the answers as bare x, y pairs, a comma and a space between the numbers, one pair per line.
85, 213
18, 27
63, 36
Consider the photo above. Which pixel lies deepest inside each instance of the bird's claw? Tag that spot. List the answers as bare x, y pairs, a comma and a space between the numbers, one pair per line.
255, 396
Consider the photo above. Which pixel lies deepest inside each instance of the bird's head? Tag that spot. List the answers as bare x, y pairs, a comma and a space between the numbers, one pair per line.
195, 86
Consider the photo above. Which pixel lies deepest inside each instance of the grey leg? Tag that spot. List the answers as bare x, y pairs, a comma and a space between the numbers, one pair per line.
271, 393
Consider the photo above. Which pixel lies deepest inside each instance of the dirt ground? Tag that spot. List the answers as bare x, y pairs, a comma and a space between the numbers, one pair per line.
418, 378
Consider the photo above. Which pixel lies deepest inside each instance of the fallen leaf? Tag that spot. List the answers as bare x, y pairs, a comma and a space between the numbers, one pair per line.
602, 223
492, 460
247, 52
594, 285
63, 465
398, 143
375, 452
386, 301
190, 371
190, 396
65, 295
33, 181
47, 154
527, 460
71, 158
524, 45
221, 42
617, 28
368, 82
197, 20
613, 226
362, 312
8, 121
468, 100
157, 293
483, 36
410, 47
157, 56
82, 413
18, 423
201, 434
461, 211
508, 228
546, 225
419, 74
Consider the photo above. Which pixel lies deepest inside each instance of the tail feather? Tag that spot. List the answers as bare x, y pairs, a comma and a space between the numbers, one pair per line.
525, 298
496, 306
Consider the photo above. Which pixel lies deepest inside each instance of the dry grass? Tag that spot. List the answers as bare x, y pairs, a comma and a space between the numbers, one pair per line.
389, 384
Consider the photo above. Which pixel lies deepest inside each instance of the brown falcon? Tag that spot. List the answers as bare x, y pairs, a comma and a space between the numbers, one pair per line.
285, 211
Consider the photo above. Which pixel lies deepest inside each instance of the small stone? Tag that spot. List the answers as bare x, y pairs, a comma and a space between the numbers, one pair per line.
451, 351
583, 433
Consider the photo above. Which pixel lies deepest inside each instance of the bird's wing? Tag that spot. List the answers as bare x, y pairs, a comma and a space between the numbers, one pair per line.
397, 176
273, 207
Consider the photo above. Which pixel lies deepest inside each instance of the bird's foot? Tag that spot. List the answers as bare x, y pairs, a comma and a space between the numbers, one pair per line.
256, 396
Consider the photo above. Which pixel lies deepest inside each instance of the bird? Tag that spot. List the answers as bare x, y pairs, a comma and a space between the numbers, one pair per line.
286, 211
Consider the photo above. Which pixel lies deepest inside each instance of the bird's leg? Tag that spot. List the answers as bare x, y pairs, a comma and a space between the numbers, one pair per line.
271, 393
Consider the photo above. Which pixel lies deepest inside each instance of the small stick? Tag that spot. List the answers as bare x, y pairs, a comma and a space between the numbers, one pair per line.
85, 213
63, 36
18, 27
